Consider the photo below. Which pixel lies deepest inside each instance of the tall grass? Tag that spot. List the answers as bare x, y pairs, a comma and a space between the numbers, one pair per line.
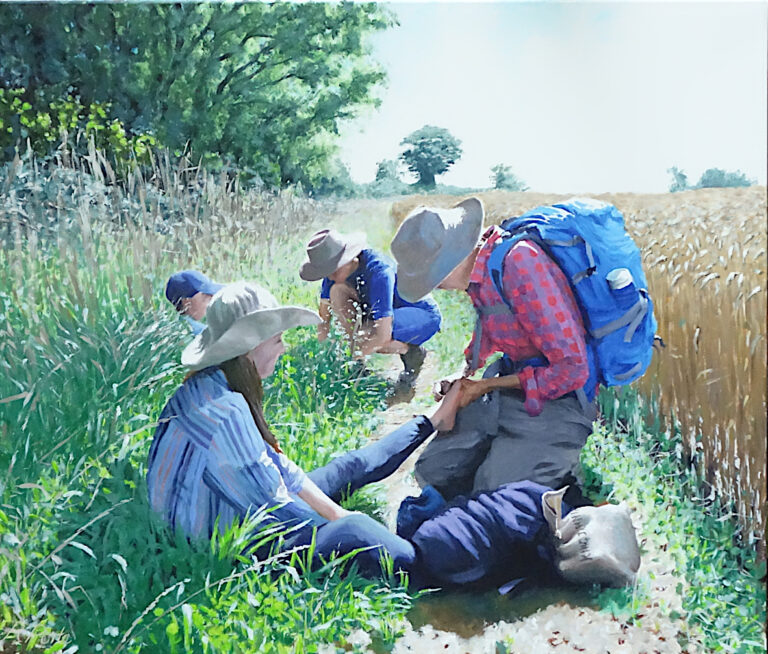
704, 255
89, 353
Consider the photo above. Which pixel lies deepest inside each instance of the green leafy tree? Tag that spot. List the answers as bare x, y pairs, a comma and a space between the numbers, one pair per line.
259, 85
719, 178
502, 177
679, 180
337, 181
430, 152
386, 169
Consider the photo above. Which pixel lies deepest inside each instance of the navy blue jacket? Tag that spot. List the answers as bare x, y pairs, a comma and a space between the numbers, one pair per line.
487, 540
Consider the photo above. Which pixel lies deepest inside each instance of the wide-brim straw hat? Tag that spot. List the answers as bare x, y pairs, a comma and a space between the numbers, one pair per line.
241, 316
327, 251
431, 242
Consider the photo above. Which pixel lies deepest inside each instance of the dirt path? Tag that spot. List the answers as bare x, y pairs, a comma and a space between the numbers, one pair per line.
554, 622
565, 626
402, 483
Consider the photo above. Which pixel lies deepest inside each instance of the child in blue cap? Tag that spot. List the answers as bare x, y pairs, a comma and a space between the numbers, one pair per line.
190, 292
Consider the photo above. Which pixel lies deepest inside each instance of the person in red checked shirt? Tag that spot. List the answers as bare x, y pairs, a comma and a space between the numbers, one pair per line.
527, 418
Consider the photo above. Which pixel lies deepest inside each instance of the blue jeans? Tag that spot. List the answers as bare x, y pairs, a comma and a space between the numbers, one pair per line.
415, 325
354, 470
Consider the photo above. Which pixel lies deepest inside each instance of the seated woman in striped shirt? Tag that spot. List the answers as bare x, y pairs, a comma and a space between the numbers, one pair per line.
214, 457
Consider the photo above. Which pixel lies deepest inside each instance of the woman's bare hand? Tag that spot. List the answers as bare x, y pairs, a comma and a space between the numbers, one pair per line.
445, 415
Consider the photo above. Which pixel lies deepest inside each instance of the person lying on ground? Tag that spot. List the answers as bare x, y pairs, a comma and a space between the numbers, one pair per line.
190, 292
214, 458
517, 535
526, 421
360, 288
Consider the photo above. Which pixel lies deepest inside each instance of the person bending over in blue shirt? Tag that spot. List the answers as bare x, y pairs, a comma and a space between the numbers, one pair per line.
190, 292
360, 289
214, 459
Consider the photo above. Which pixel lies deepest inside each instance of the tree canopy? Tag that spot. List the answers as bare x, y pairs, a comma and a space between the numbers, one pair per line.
432, 150
261, 86
502, 177
679, 180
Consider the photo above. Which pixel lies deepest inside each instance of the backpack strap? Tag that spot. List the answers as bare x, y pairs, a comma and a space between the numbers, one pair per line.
496, 271
591, 267
493, 310
633, 317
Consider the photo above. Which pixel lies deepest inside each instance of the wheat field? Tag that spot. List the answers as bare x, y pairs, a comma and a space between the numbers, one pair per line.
704, 253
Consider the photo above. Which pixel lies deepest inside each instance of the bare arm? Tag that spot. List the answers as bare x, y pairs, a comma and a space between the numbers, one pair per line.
471, 389
320, 502
324, 309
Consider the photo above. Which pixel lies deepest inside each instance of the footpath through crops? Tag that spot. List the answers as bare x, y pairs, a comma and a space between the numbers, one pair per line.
89, 352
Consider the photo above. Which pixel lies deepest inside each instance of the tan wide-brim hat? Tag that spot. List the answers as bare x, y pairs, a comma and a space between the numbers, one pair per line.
431, 242
241, 316
327, 251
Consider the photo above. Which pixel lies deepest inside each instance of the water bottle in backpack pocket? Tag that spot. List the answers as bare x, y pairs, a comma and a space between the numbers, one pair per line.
622, 344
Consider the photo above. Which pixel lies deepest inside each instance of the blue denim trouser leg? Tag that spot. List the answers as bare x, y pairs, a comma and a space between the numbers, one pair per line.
353, 470
415, 325
373, 462
361, 531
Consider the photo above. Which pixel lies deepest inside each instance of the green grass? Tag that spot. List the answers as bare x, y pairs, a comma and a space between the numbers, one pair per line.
89, 354
637, 460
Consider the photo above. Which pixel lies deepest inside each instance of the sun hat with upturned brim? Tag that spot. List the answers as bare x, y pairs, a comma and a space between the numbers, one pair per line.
431, 242
327, 251
240, 317
188, 283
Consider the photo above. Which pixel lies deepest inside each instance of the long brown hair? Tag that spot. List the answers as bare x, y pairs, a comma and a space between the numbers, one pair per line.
243, 377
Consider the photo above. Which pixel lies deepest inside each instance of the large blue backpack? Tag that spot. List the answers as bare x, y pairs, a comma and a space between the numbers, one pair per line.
587, 239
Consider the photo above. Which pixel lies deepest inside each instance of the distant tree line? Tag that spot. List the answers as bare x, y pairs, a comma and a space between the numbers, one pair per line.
255, 88
710, 178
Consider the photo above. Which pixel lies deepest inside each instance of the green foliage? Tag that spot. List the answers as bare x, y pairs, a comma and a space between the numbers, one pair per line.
336, 181
503, 178
386, 170
49, 125
432, 151
455, 331
641, 461
261, 86
89, 349
719, 178
679, 180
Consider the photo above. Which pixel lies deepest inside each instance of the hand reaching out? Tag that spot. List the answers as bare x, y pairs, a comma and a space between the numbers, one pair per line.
445, 415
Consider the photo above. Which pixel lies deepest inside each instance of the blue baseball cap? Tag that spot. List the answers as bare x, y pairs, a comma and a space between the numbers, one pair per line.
188, 283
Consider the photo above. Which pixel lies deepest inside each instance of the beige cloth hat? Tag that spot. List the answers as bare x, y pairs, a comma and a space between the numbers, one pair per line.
593, 544
327, 251
431, 242
240, 317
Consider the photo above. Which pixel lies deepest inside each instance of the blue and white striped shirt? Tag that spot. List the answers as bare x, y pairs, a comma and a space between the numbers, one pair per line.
208, 461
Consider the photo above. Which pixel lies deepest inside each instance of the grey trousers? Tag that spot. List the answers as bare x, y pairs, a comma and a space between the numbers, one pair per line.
495, 441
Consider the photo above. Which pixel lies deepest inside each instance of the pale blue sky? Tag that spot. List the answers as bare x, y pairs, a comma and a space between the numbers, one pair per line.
576, 97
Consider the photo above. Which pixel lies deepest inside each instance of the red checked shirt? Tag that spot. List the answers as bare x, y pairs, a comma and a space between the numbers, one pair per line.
546, 320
